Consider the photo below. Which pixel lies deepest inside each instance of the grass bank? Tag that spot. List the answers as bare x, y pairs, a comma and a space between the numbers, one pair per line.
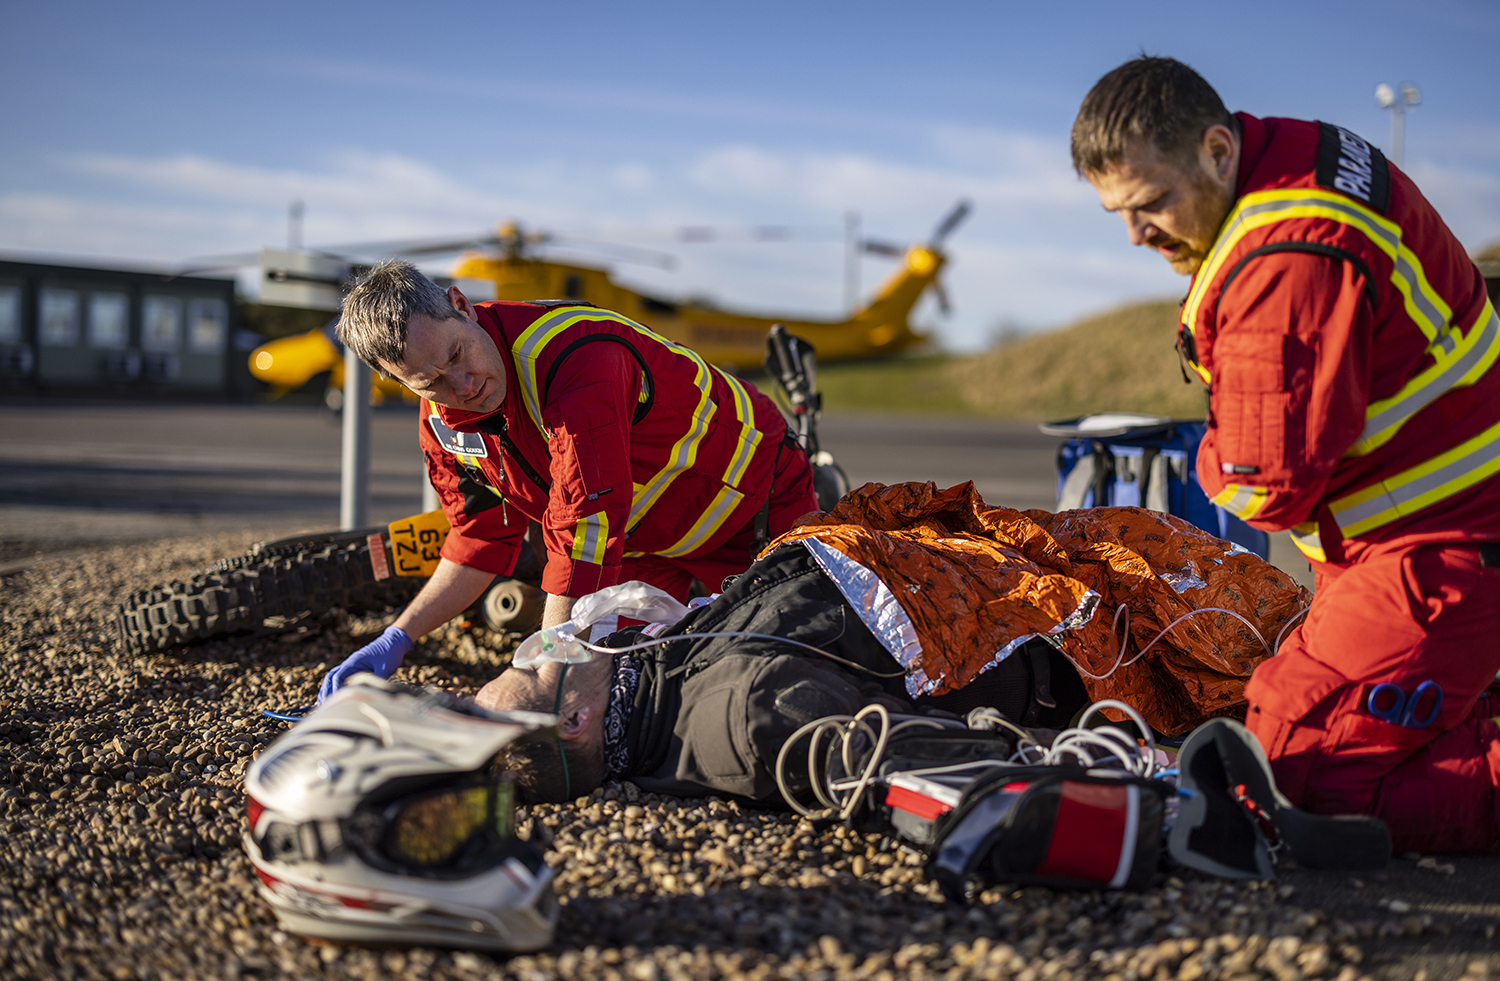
1121, 360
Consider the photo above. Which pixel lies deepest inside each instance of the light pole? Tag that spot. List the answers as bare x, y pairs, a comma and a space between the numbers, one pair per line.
852, 249
294, 215
354, 479
1399, 101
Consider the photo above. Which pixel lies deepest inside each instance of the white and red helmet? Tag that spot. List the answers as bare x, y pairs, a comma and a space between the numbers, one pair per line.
378, 819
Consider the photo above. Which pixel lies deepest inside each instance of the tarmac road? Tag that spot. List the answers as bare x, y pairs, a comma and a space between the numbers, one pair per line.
84, 473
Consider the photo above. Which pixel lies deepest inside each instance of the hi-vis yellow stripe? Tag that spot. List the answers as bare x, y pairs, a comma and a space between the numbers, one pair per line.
1472, 354
1460, 355
749, 435
1263, 208
1240, 500
712, 520
528, 348
590, 537
1308, 541
1407, 492
1421, 486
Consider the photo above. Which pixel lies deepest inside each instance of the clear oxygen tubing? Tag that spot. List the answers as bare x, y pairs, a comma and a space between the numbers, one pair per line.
295, 715
1289, 624
740, 633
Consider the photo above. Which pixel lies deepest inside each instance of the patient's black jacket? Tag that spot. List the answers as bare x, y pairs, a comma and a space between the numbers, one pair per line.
711, 714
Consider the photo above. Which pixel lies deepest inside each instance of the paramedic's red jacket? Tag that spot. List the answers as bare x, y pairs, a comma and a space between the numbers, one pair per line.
1349, 346
617, 440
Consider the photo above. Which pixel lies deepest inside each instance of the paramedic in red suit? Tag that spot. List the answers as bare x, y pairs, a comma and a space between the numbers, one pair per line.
640, 460
1349, 348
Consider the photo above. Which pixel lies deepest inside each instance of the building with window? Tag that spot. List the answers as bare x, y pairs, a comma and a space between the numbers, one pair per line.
72, 330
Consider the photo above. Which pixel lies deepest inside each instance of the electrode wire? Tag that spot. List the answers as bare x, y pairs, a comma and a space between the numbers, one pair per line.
1116, 742
1123, 637
843, 796
1092, 748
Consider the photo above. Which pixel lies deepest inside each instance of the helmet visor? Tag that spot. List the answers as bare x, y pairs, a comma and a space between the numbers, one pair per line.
444, 832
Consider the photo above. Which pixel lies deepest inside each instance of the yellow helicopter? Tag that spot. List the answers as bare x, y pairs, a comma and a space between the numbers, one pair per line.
879, 328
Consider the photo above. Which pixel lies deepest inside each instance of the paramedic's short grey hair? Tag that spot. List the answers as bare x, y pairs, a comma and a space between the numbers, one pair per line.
376, 311
1159, 102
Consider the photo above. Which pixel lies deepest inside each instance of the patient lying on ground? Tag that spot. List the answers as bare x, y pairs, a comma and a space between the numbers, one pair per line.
919, 599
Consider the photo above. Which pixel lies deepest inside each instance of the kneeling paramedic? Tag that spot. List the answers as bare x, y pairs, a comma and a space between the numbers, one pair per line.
1349, 348
640, 460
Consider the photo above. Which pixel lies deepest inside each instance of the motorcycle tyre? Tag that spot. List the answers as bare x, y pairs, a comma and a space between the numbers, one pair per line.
306, 583
830, 484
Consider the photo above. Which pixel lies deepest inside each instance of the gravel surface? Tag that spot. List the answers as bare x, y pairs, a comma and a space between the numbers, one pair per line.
121, 810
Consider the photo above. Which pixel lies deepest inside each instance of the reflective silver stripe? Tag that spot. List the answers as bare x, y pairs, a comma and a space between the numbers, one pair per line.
749, 439
590, 538
534, 339
1431, 318
708, 523
1410, 491
1408, 405
684, 452
1360, 215
1240, 500
1417, 296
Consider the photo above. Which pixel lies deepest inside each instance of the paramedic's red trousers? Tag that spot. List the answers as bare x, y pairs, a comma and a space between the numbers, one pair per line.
1426, 613
791, 498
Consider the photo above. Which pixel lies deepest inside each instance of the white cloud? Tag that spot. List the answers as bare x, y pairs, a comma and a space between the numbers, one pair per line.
1466, 197
1037, 249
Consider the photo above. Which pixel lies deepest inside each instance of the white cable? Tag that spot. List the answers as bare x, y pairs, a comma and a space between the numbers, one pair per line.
811, 727
994, 715
1116, 742
1124, 638
844, 796
858, 793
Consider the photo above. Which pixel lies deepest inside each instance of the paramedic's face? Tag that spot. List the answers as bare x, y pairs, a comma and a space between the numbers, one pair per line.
452, 362
1173, 206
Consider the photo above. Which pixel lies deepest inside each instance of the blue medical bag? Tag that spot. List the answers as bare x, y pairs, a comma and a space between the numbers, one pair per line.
1123, 459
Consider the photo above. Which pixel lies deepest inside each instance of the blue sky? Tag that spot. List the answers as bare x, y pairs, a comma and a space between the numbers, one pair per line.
154, 131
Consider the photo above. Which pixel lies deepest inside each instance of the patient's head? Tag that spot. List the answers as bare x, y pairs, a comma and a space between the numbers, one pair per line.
585, 697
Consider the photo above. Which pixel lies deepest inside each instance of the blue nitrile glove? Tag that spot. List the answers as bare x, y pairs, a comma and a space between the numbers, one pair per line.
381, 656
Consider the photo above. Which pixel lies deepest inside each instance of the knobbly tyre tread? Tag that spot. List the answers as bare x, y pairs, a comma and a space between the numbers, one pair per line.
307, 582
292, 546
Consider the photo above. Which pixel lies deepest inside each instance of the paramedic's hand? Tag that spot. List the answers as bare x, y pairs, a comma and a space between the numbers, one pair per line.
381, 656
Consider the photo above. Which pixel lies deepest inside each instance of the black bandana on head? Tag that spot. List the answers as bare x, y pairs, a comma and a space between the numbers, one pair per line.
625, 676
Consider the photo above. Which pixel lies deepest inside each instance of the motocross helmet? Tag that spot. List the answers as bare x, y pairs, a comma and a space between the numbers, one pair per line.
377, 819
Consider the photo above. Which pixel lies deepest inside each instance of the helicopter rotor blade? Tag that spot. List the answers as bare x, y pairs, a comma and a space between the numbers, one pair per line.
208, 263
953, 219
421, 246
877, 247
625, 253
941, 292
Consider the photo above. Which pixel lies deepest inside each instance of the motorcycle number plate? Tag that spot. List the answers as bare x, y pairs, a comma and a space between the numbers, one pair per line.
416, 542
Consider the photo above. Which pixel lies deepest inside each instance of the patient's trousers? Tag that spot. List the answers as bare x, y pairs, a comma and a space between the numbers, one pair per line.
1423, 613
